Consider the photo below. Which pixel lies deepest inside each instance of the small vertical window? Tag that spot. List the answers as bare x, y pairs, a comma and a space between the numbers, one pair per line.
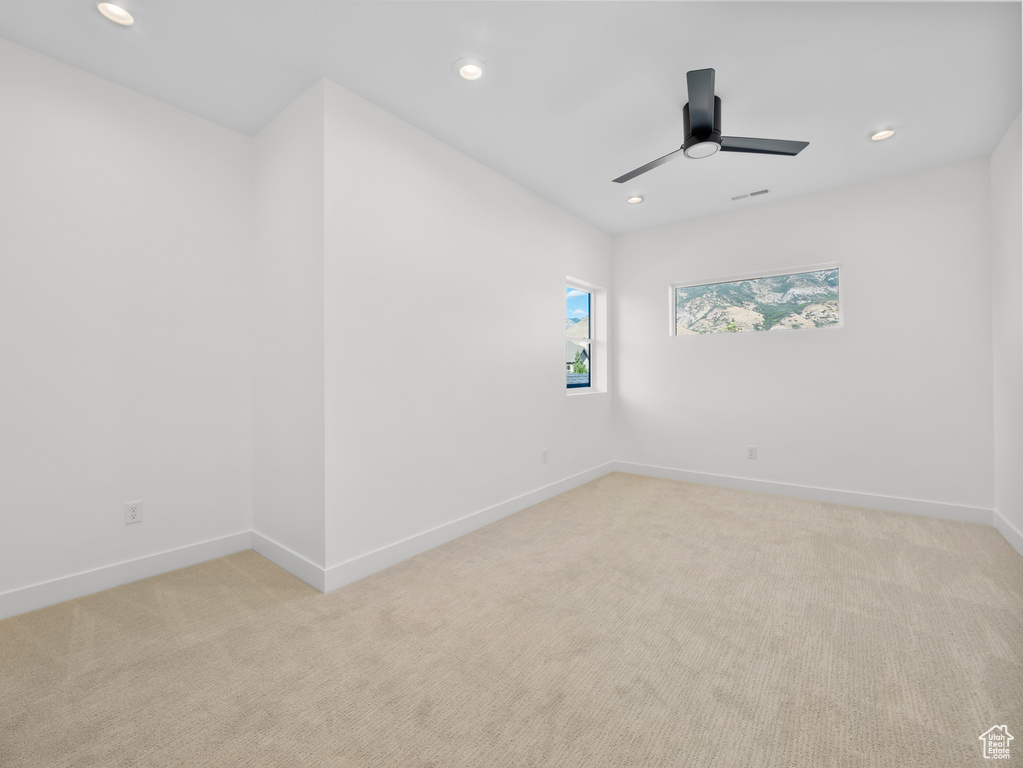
578, 341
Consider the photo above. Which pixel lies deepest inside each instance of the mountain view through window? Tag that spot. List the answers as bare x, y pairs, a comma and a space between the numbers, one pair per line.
782, 302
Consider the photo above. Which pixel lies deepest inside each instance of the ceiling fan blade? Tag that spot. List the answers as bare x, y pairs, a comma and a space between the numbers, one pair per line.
762, 146
648, 167
701, 101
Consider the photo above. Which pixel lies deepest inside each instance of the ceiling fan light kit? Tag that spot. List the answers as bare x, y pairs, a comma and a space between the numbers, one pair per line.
701, 121
701, 149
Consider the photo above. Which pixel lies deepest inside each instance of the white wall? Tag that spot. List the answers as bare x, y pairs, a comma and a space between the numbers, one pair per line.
352, 322
125, 324
288, 373
444, 380
896, 404
1007, 317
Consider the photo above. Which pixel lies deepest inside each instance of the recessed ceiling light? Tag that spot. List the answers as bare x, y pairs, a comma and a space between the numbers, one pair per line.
882, 135
116, 14
469, 69
635, 199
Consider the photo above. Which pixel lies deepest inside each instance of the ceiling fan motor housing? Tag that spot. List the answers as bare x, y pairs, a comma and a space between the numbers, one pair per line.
710, 137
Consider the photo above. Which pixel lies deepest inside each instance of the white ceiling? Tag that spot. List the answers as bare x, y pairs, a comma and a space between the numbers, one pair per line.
577, 93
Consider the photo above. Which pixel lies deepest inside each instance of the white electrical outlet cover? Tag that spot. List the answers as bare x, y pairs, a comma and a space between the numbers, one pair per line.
132, 512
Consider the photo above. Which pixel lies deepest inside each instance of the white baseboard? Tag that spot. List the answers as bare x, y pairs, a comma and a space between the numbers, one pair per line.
359, 567
1011, 533
36, 596
851, 498
291, 561
40, 595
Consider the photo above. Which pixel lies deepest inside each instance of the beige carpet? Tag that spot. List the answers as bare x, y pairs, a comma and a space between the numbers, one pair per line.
630, 622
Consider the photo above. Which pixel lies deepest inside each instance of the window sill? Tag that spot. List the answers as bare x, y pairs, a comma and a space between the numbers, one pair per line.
585, 391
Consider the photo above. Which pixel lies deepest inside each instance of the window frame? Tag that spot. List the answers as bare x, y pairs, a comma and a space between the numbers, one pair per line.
589, 338
600, 348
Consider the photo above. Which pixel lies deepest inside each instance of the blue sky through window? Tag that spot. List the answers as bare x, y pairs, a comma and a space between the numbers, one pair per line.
577, 304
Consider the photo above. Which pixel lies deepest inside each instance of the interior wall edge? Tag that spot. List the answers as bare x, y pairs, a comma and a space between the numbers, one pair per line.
292, 562
1010, 532
937, 509
35, 596
371, 562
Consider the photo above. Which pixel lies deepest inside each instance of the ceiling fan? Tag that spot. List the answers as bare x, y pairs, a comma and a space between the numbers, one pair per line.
701, 119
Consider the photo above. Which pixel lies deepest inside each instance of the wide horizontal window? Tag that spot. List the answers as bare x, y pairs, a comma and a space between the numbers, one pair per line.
771, 303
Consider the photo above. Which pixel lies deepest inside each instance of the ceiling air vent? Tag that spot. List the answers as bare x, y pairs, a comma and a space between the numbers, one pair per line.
751, 194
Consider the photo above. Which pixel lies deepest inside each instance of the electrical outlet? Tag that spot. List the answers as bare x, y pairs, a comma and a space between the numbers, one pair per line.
132, 512
751, 452
543, 456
